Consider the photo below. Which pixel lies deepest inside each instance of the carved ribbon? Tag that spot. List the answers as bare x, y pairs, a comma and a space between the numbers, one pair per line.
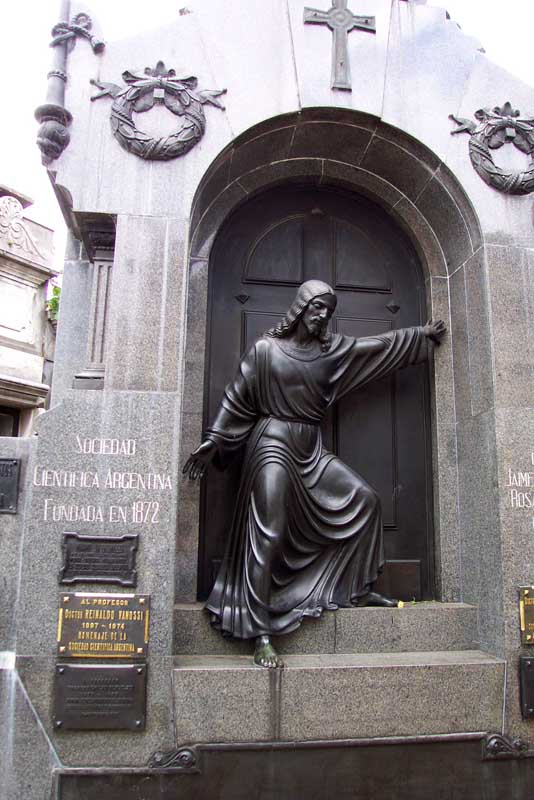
496, 127
179, 95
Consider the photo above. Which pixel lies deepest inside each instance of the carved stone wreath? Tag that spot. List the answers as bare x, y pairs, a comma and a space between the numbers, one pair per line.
496, 127
158, 85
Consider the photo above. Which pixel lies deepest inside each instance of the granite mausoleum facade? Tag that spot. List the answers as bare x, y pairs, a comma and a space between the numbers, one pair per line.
150, 165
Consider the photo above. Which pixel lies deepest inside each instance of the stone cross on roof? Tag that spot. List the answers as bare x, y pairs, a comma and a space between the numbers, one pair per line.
341, 22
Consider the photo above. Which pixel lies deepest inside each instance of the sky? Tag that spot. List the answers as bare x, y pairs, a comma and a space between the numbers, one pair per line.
504, 29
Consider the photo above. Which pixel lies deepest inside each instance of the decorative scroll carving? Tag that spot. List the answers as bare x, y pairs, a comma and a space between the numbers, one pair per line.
13, 228
185, 759
496, 127
341, 22
497, 745
142, 92
53, 136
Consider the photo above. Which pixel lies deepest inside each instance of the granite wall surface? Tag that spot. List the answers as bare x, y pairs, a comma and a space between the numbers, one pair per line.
390, 139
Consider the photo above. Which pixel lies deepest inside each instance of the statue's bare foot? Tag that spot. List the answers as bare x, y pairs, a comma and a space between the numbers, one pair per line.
265, 655
375, 599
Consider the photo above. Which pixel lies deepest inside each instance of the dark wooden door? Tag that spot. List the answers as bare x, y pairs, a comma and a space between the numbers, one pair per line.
265, 251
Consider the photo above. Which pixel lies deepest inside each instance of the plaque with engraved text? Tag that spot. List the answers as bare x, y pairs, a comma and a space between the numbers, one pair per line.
103, 625
100, 697
526, 614
9, 485
99, 559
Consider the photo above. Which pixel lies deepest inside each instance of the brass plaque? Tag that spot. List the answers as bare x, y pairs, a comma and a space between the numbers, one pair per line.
100, 697
526, 614
103, 625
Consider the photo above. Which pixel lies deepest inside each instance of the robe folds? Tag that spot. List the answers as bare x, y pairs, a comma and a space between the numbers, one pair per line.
307, 532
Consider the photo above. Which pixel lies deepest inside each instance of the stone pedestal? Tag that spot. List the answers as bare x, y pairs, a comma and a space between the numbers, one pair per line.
329, 697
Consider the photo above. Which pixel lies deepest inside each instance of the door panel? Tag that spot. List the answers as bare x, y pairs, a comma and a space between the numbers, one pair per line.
268, 247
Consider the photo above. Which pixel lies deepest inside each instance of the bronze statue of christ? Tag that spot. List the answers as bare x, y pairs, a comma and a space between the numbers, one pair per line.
307, 530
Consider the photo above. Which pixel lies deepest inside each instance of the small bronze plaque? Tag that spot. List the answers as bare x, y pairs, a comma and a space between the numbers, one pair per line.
102, 559
526, 614
526, 678
103, 625
100, 697
9, 485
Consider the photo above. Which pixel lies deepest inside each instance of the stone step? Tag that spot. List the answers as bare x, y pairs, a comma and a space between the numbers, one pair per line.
419, 626
341, 696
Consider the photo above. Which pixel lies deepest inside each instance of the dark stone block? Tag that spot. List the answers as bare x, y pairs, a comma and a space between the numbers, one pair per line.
442, 213
214, 182
451, 184
415, 147
261, 150
397, 166
301, 170
268, 126
213, 218
331, 140
356, 179
341, 115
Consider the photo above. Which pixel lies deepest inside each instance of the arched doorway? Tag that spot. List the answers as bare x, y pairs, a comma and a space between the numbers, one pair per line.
264, 251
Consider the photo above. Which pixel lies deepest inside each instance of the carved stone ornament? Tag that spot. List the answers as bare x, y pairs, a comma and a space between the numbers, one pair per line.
53, 136
341, 22
498, 746
14, 235
496, 127
141, 93
184, 759
81, 26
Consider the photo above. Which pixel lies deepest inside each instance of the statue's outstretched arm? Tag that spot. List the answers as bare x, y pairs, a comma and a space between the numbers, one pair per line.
435, 330
198, 461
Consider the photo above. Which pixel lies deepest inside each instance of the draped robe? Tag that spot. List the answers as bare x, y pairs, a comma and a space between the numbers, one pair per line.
307, 530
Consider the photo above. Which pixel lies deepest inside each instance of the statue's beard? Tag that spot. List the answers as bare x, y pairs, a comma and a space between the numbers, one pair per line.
288, 324
317, 328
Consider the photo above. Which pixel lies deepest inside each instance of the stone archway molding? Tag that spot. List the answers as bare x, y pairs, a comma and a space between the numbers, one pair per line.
359, 153
352, 150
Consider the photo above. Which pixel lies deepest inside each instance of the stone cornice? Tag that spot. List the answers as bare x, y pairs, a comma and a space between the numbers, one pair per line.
22, 393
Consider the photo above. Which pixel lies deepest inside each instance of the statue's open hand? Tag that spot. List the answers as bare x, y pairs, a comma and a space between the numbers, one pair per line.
435, 330
196, 464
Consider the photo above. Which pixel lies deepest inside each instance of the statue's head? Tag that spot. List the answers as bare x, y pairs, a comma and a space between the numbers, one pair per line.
314, 303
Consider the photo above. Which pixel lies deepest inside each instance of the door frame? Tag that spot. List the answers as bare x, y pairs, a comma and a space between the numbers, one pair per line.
444, 231
351, 202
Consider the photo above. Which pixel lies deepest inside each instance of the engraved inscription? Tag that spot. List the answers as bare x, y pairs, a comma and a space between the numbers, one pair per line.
106, 559
95, 697
103, 625
113, 447
520, 487
147, 488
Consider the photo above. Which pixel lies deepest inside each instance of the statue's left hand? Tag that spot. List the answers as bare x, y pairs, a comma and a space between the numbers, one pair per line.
435, 330
196, 464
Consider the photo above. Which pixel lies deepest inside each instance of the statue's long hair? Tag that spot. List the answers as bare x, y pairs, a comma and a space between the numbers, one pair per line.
306, 292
